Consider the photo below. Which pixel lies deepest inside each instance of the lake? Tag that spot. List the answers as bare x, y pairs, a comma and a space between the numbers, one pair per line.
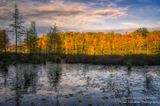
53, 84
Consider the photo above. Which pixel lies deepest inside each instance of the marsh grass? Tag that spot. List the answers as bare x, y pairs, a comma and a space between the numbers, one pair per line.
128, 60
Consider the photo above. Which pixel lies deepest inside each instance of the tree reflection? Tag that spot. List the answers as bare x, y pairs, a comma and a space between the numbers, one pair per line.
149, 88
30, 78
84, 72
54, 76
129, 71
4, 72
148, 82
85, 69
26, 77
129, 97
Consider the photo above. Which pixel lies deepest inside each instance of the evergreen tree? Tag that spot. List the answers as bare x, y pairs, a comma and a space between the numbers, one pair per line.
31, 38
17, 27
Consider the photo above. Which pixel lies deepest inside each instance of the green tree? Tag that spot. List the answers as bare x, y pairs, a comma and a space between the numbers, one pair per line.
143, 31
31, 39
53, 44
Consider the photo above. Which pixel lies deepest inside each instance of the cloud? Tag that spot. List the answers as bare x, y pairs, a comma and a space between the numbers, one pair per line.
140, 24
67, 15
5, 9
130, 24
55, 8
111, 12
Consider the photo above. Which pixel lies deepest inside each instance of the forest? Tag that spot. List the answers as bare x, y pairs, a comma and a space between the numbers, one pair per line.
87, 43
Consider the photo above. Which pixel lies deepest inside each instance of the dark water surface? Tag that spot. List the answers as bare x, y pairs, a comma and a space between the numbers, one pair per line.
79, 85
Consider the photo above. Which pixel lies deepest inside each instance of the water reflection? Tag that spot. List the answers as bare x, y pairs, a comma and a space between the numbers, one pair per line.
26, 77
79, 85
54, 76
25, 82
148, 82
4, 72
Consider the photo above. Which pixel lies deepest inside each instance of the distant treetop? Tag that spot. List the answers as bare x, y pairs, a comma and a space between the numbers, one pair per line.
143, 31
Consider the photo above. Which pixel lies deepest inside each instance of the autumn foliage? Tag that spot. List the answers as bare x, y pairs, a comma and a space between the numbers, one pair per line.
103, 44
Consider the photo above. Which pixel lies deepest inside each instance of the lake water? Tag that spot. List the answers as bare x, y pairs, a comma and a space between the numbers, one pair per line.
79, 85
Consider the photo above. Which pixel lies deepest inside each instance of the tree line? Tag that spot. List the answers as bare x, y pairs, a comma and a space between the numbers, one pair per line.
102, 44
87, 43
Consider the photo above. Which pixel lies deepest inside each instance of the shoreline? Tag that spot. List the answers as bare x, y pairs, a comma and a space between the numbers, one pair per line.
127, 60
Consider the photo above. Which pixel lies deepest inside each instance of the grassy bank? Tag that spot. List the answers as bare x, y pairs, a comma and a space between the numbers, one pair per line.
12, 58
115, 59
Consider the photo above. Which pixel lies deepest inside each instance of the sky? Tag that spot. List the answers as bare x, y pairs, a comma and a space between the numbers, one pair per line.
83, 15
